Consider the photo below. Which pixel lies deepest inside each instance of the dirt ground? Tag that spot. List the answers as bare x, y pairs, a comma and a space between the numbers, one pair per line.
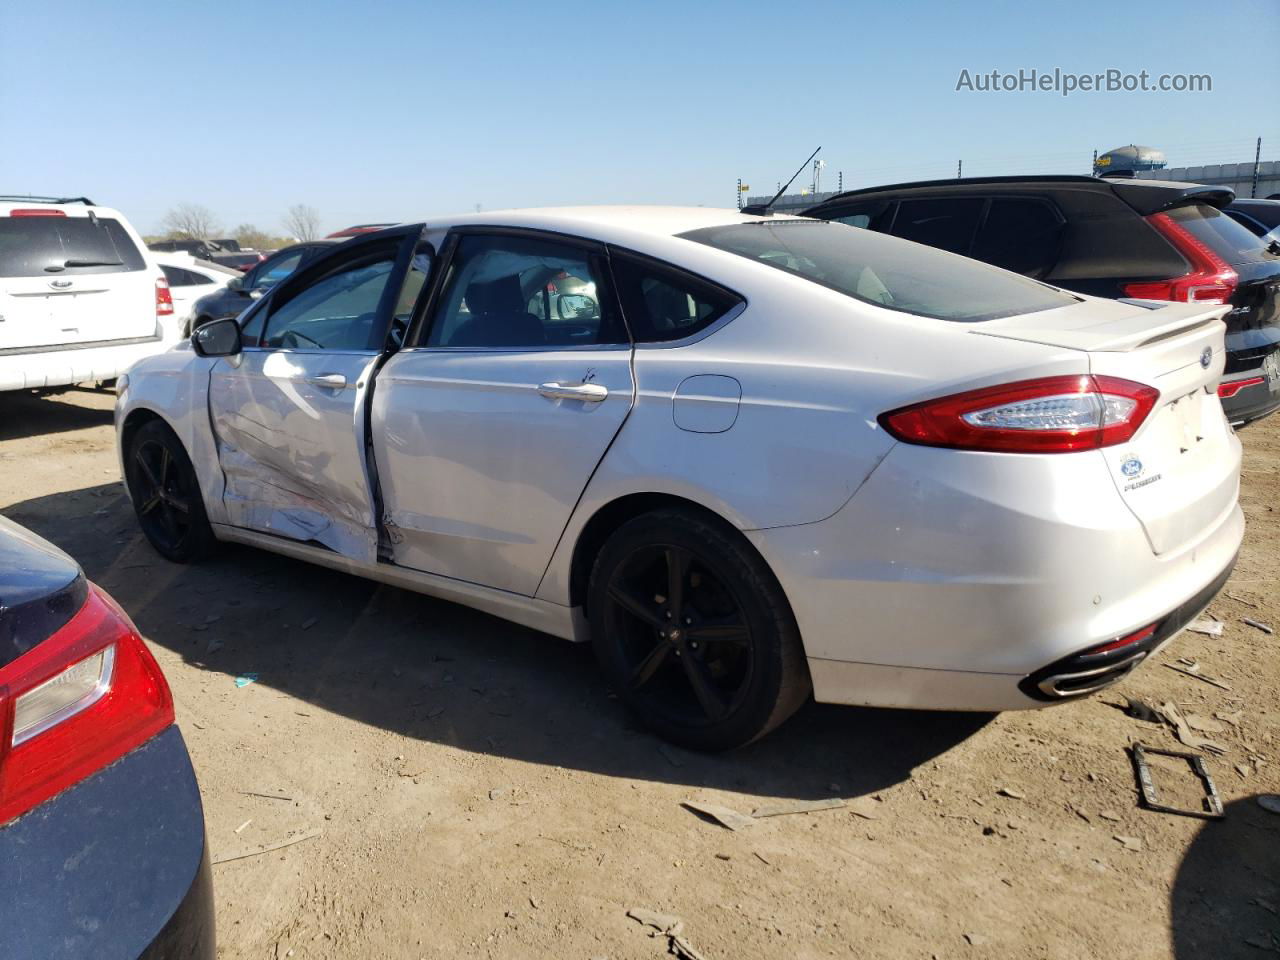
477, 791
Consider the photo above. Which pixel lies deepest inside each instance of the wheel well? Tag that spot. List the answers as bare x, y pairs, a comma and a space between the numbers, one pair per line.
132, 424
608, 519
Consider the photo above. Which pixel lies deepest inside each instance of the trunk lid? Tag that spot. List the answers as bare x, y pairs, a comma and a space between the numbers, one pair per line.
1180, 472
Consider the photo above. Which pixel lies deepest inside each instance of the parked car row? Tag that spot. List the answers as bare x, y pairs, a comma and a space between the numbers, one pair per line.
1140, 239
749, 458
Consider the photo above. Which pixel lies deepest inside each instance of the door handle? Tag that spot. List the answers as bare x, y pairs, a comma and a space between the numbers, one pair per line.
590, 392
334, 381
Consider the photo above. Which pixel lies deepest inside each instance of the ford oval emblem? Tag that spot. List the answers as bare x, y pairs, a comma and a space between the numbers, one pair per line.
1206, 357
1131, 467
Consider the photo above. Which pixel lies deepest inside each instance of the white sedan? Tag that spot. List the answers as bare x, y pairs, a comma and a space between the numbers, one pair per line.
189, 280
744, 456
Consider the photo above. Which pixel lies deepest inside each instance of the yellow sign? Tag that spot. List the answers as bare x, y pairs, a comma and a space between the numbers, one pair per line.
744, 187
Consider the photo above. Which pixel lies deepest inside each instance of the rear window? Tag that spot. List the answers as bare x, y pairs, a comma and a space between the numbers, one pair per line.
39, 246
885, 271
1228, 239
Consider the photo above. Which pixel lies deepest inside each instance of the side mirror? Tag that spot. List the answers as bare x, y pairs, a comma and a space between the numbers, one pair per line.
257, 292
235, 283
217, 338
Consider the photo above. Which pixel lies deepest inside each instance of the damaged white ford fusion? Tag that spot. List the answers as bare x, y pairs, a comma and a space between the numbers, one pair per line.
746, 457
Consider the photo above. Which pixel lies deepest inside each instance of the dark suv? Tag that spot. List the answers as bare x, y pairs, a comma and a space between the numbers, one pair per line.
241, 292
1149, 239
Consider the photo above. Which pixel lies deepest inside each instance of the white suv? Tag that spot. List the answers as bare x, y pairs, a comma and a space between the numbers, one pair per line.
80, 297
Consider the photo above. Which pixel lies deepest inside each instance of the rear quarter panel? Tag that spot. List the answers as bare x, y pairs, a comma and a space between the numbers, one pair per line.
816, 369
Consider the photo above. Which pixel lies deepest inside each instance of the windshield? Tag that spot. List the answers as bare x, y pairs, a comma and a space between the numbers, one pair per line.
885, 271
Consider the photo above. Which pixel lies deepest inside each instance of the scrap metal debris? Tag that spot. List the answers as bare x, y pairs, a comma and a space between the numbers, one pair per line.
1270, 802
669, 926
725, 816
278, 845
1257, 625
1182, 730
1210, 628
1129, 843
781, 808
1212, 807
867, 808
1192, 669
1204, 724
1011, 793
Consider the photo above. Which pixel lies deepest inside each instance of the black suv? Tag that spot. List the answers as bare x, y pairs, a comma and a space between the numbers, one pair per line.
240, 293
1152, 239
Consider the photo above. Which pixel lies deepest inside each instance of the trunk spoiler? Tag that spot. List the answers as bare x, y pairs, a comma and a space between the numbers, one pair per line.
1150, 322
1155, 196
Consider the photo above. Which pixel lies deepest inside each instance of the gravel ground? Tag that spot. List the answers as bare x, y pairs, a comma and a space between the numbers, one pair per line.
471, 788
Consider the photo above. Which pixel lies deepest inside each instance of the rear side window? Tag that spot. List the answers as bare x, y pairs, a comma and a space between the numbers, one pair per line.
1020, 234
73, 246
1228, 239
947, 223
884, 271
662, 303
178, 277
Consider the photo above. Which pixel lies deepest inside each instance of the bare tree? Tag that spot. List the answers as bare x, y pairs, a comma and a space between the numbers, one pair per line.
302, 221
251, 237
191, 220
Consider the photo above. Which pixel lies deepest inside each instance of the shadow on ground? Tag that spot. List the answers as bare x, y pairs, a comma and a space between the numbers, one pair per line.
437, 671
1226, 897
29, 414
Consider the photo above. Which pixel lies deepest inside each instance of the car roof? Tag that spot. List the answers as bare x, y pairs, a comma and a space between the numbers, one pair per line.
603, 223
1145, 196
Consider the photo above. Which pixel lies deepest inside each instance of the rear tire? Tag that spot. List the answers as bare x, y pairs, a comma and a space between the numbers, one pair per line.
166, 494
694, 632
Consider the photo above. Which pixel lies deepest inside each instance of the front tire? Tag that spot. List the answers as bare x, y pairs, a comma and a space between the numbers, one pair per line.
166, 494
694, 632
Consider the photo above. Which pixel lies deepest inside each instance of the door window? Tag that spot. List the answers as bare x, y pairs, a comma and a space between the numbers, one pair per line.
947, 223
663, 303
337, 312
1020, 234
520, 292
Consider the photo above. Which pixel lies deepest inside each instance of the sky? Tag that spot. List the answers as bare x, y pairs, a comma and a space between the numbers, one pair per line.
374, 110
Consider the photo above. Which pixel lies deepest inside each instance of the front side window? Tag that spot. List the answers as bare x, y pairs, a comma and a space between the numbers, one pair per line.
521, 292
883, 270
337, 312
52, 246
662, 303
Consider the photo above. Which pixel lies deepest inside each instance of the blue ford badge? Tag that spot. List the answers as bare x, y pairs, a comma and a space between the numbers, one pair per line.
1206, 357
1131, 467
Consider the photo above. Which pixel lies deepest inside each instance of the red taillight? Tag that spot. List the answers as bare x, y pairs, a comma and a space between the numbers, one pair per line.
1048, 415
80, 700
1211, 279
164, 299
1230, 388
1138, 636
37, 212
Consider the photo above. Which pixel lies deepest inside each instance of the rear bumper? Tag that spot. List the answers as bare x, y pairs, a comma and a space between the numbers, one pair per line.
1251, 403
42, 367
950, 578
116, 866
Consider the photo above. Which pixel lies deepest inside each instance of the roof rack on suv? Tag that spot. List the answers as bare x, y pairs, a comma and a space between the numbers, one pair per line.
28, 199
